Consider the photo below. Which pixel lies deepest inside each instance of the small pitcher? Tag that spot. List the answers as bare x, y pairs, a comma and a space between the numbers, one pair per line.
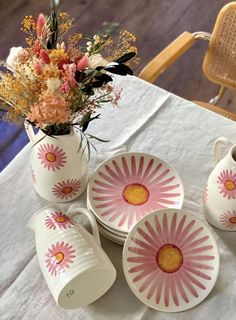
58, 165
219, 198
74, 265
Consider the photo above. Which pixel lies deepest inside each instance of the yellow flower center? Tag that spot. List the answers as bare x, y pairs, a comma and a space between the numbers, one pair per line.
60, 219
169, 258
59, 256
51, 157
232, 219
135, 194
67, 190
230, 185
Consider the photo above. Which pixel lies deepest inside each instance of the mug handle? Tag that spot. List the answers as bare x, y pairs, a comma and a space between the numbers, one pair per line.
30, 132
217, 147
74, 212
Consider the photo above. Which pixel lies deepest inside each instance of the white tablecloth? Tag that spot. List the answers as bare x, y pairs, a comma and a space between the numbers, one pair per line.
148, 119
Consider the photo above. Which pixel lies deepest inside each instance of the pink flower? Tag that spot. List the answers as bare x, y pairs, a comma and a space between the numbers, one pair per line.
40, 26
59, 257
38, 68
82, 63
130, 188
50, 109
57, 220
227, 184
52, 157
173, 258
67, 189
69, 77
228, 219
37, 48
44, 56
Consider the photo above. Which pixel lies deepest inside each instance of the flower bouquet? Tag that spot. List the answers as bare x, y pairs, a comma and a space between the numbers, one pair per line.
57, 85
54, 84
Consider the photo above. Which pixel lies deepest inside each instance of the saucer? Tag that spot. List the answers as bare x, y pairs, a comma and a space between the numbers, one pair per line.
171, 260
111, 236
128, 186
104, 225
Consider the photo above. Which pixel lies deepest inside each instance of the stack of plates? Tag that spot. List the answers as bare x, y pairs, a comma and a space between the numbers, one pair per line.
127, 187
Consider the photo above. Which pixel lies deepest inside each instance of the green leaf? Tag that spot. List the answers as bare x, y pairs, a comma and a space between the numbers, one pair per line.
81, 141
96, 138
126, 57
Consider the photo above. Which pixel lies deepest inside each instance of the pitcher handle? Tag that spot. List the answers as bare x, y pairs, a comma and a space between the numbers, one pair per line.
217, 147
30, 132
74, 212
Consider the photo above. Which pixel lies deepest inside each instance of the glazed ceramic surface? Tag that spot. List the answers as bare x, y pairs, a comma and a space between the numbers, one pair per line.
128, 186
219, 197
170, 260
71, 259
59, 170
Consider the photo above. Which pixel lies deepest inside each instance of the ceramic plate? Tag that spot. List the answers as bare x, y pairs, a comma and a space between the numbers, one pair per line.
170, 260
110, 236
111, 230
128, 186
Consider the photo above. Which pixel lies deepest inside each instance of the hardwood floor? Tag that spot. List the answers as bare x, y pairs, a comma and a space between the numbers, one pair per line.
155, 23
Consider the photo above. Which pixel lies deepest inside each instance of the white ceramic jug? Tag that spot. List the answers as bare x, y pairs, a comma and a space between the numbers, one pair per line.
74, 265
219, 198
58, 165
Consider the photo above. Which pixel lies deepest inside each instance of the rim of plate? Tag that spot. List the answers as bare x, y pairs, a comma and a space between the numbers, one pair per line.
110, 236
142, 296
113, 224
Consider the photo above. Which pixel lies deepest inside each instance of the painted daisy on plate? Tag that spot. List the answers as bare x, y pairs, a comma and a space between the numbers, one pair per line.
170, 260
52, 157
59, 257
130, 186
228, 219
227, 184
57, 220
66, 189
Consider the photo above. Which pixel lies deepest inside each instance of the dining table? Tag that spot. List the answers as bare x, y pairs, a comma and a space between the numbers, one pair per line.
147, 119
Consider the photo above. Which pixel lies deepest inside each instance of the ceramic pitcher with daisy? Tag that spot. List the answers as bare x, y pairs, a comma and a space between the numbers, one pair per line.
58, 165
73, 263
219, 198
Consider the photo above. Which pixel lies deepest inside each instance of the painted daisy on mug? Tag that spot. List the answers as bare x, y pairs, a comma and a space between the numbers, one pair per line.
59, 257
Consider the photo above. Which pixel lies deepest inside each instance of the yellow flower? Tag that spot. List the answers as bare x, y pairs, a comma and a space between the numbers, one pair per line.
58, 55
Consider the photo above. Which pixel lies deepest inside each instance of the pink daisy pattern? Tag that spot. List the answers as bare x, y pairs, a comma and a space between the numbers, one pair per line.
228, 219
59, 257
52, 157
227, 184
66, 189
205, 195
131, 186
170, 260
58, 220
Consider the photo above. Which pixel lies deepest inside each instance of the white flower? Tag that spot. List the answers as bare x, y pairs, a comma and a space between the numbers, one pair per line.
53, 84
97, 60
12, 58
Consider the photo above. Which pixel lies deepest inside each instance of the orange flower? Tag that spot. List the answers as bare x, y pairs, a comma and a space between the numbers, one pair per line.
51, 109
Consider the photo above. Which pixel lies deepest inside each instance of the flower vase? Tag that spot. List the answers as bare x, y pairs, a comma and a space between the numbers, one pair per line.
58, 165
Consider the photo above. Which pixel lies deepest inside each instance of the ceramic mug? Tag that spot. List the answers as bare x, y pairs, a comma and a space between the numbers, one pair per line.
74, 265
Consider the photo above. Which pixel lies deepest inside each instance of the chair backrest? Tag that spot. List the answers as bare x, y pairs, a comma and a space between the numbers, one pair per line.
219, 64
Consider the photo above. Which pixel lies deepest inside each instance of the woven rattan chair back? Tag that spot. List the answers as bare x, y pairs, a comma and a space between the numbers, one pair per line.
219, 64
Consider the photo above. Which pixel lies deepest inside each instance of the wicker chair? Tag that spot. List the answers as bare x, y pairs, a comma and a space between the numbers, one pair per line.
219, 64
